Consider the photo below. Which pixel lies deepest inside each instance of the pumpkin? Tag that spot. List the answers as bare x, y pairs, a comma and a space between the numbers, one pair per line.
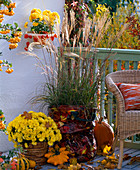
22, 163
57, 155
103, 133
32, 164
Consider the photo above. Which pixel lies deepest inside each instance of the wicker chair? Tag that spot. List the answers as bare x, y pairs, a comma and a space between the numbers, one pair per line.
127, 122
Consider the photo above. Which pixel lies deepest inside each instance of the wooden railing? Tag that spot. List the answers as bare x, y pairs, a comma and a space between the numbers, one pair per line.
118, 59
124, 59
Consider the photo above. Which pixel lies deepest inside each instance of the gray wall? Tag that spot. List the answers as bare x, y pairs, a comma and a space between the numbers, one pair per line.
17, 88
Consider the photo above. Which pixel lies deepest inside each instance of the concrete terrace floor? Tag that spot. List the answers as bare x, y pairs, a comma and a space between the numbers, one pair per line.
131, 152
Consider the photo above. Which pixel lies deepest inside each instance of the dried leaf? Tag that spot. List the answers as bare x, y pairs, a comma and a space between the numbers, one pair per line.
90, 162
126, 157
111, 157
27, 115
73, 161
100, 167
62, 166
104, 162
106, 149
47, 125
134, 159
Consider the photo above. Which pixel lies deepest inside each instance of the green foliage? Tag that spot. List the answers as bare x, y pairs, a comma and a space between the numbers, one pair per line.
41, 27
110, 3
74, 78
80, 10
6, 164
76, 87
92, 5
130, 38
2, 122
5, 2
13, 29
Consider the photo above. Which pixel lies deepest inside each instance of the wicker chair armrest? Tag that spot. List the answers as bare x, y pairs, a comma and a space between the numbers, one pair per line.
112, 87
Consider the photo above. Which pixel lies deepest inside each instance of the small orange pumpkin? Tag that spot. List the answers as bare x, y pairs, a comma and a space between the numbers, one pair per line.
57, 155
103, 133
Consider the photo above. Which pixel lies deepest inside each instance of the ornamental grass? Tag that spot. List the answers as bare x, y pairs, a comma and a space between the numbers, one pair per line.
72, 76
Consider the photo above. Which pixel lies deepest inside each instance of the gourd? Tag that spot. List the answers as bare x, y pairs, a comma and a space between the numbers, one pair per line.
32, 164
57, 156
22, 163
103, 133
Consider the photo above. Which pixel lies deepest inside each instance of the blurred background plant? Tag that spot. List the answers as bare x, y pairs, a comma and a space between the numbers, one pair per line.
80, 9
6, 8
130, 38
2, 122
5, 159
119, 12
9, 32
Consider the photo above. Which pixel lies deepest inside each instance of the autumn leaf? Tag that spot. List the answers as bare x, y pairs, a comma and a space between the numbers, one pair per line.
134, 159
73, 161
27, 115
106, 149
47, 125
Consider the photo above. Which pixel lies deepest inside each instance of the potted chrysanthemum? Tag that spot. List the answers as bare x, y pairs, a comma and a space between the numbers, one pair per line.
41, 26
34, 131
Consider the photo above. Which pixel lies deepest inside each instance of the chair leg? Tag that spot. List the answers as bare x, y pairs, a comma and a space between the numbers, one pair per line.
121, 154
114, 144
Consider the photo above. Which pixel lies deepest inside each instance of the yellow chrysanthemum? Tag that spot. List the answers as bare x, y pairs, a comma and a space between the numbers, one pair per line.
15, 145
34, 143
35, 24
46, 18
51, 22
50, 143
26, 25
35, 16
19, 140
26, 145
9, 138
35, 10
53, 139
55, 14
52, 17
46, 12
33, 129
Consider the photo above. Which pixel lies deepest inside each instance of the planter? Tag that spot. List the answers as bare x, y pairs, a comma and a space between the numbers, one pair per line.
70, 114
75, 124
36, 152
40, 38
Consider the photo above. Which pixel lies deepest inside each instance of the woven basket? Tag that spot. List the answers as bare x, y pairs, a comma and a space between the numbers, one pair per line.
36, 152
